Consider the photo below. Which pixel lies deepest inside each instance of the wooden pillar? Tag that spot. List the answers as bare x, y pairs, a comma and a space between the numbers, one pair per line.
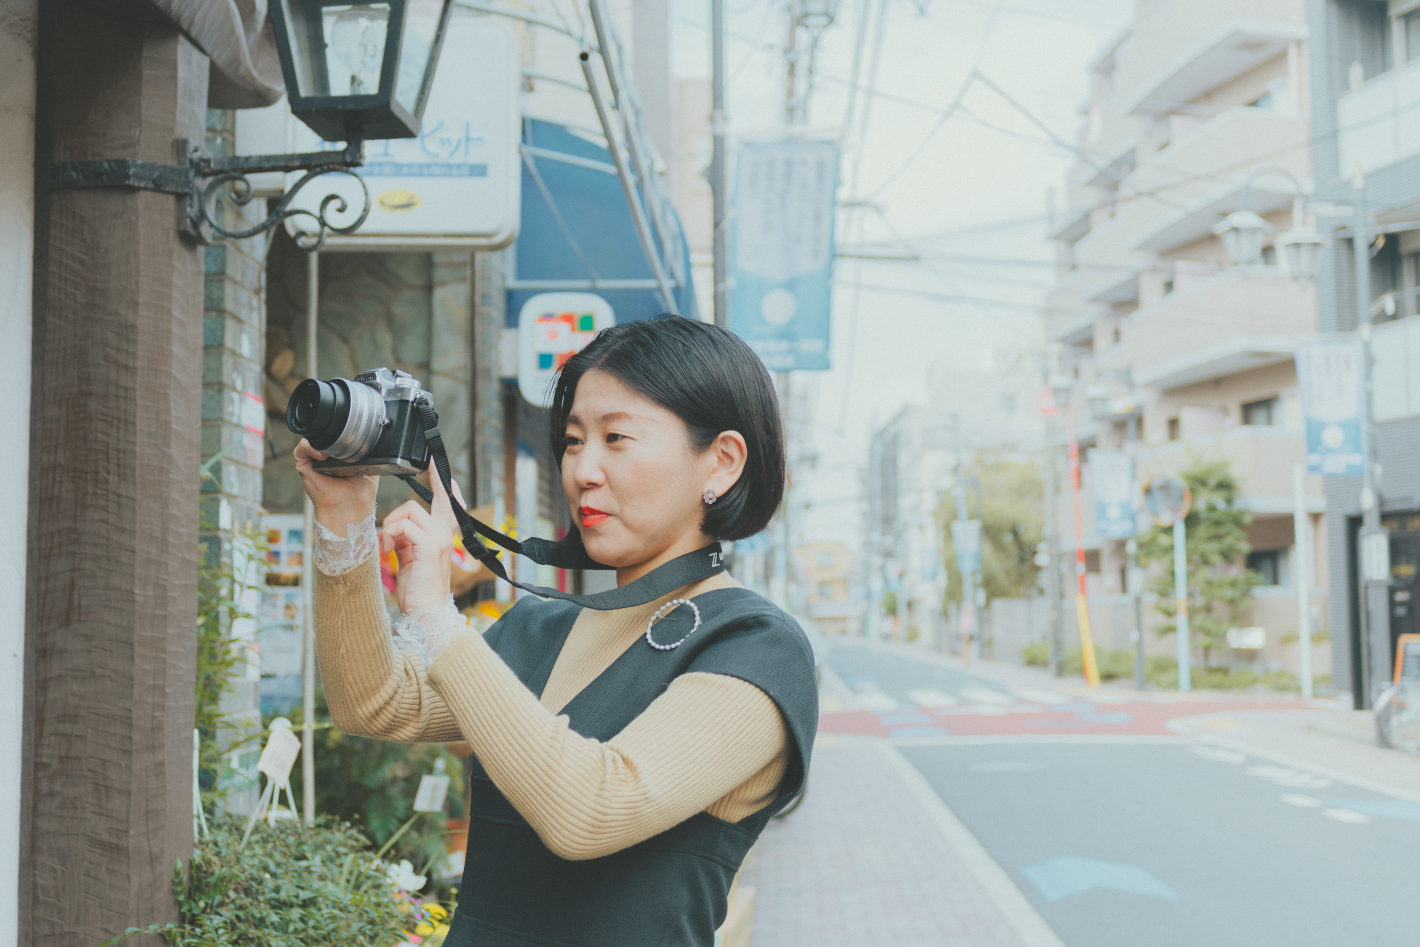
114, 460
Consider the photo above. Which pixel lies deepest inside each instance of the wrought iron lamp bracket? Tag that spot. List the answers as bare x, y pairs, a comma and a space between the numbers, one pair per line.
203, 180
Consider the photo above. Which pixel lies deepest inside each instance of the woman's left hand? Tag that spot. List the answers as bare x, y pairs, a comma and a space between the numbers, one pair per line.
423, 541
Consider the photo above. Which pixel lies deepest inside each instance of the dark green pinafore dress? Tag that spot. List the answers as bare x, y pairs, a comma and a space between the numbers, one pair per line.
671, 889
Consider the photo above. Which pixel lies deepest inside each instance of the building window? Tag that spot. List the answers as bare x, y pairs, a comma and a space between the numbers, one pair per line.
1173, 428
1267, 563
1262, 413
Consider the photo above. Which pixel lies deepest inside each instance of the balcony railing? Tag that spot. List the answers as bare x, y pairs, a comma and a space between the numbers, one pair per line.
1377, 123
1233, 321
1187, 47
1260, 458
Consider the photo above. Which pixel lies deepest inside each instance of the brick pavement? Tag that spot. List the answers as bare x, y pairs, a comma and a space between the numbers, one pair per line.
873, 857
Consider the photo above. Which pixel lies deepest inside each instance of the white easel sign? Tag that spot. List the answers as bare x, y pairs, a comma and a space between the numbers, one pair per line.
282, 748
433, 788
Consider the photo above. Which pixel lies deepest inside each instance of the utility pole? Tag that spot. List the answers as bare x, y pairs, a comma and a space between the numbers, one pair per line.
1131, 546
1055, 618
719, 172
1372, 549
968, 577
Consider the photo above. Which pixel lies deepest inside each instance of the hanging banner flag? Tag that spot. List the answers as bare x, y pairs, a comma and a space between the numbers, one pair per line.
1112, 476
1331, 377
966, 537
782, 257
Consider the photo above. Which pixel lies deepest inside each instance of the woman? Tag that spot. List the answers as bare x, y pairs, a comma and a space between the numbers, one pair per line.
625, 760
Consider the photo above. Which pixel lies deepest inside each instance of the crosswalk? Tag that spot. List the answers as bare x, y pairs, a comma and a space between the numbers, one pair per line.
871, 696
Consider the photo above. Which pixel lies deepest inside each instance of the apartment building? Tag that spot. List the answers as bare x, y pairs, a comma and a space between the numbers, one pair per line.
1365, 67
1198, 110
829, 574
917, 460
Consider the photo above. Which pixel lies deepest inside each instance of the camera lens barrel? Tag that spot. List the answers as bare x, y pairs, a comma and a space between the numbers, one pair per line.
341, 418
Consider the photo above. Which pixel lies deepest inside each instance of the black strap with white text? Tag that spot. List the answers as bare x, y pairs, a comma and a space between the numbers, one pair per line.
679, 572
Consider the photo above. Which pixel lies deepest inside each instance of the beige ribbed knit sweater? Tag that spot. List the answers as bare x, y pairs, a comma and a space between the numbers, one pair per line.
711, 743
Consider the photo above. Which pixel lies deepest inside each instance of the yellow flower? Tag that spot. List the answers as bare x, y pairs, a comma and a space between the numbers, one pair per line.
435, 909
423, 928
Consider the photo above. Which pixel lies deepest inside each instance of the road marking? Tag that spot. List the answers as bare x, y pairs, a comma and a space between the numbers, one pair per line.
1219, 753
1300, 801
1346, 815
1066, 876
1015, 910
932, 698
1286, 776
1037, 696
1004, 766
987, 695
1393, 789
870, 696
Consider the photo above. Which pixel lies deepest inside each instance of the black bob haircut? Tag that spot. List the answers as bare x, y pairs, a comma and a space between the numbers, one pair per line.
710, 379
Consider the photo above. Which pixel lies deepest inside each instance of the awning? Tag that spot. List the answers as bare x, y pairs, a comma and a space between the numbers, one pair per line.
236, 36
579, 234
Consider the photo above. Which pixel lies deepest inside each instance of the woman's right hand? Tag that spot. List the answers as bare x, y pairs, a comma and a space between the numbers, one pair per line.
338, 501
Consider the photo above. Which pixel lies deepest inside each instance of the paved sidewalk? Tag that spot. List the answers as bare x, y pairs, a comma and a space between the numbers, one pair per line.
874, 857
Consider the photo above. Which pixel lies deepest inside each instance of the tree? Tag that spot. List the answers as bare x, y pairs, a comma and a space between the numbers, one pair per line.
1219, 585
1006, 495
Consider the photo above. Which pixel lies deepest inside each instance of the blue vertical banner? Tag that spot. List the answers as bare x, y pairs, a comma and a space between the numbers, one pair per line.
1331, 377
781, 261
1112, 476
966, 537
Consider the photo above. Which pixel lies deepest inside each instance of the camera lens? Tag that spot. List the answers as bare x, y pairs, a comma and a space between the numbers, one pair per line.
317, 411
342, 418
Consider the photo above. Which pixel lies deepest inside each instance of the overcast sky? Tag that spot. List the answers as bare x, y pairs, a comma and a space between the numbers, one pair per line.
944, 165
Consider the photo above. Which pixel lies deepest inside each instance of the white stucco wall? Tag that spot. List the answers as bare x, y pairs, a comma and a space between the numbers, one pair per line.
17, 112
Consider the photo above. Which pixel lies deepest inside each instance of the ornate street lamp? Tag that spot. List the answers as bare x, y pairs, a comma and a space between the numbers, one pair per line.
354, 72
1242, 233
359, 70
1300, 251
815, 15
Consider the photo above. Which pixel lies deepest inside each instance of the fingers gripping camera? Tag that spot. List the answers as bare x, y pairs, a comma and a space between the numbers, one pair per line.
368, 426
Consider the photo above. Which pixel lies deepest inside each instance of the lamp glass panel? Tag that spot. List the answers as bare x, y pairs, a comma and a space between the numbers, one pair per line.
355, 46
1301, 258
303, 29
421, 30
1243, 245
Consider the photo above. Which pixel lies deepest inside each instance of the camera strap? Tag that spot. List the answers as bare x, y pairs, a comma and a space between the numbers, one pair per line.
660, 581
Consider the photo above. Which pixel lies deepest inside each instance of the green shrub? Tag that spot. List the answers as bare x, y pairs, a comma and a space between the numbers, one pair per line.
372, 784
1162, 672
1319, 636
1282, 681
289, 886
1112, 664
1224, 679
1036, 654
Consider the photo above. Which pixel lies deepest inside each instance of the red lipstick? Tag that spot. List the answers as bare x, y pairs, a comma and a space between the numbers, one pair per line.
592, 516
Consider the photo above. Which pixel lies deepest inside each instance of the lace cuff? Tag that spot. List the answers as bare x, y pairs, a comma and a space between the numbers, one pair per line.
428, 631
336, 555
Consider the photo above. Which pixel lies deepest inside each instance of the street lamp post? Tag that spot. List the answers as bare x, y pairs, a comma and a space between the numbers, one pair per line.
353, 73
1082, 611
1300, 250
1100, 407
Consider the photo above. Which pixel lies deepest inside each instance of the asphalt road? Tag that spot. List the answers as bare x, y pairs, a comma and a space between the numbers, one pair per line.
1120, 831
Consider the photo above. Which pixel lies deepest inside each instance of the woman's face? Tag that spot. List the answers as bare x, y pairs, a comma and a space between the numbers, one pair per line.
632, 479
